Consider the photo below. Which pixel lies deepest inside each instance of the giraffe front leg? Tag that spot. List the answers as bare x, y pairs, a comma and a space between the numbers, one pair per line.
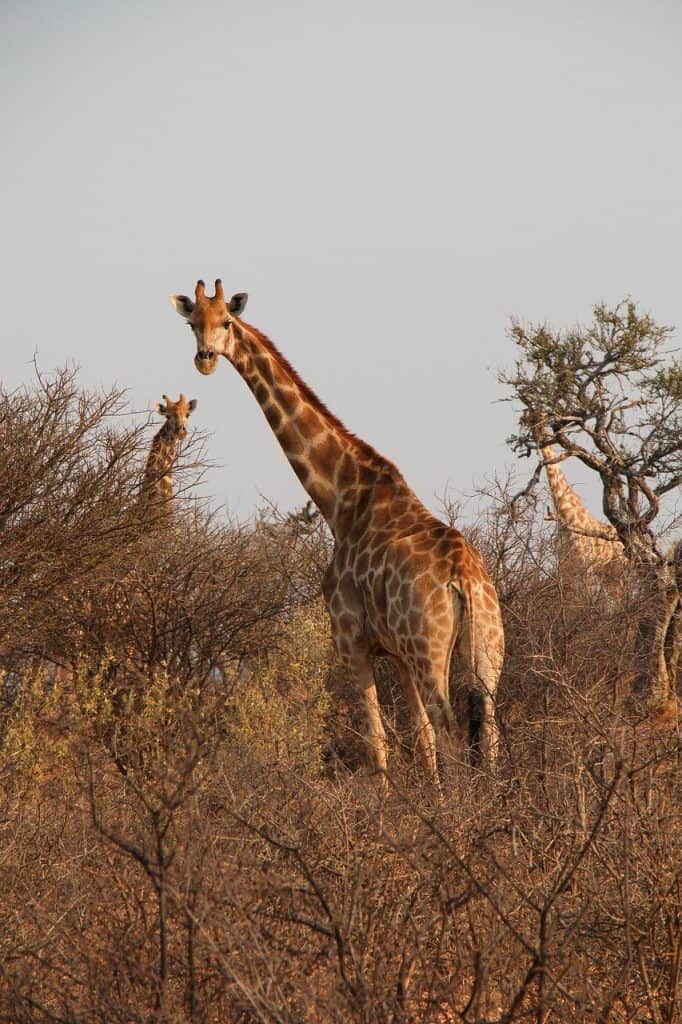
347, 615
375, 734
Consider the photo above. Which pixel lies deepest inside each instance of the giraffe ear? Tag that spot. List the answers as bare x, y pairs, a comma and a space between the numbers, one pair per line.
160, 407
192, 404
183, 304
238, 303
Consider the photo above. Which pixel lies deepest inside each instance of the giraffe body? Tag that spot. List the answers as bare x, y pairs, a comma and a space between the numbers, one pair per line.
400, 582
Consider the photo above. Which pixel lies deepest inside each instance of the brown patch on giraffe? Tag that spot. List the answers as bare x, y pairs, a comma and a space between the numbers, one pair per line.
379, 596
273, 416
362, 564
262, 366
288, 401
366, 474
415, 621
328, 451
261, 392
311, 424
300, 468
363, 502
346, 474
290, 439
382, 494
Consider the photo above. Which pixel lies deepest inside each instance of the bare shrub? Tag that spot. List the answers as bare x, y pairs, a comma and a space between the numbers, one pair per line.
278, 718
175, 846
69, 469
610, 395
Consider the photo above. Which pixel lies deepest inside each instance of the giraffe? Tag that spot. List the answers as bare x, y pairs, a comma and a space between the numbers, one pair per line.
592, 550
157, 481
586, 544
155, 505
400, 582
156, 493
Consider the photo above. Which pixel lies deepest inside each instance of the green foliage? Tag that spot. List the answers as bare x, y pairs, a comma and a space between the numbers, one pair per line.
577, 377
171, 849
33, 740
278, 717
609, 394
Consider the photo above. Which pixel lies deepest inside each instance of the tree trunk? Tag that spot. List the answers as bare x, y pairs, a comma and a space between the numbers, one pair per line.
659, 638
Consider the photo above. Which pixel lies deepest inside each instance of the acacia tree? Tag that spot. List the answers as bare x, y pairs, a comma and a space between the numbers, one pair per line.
610, 394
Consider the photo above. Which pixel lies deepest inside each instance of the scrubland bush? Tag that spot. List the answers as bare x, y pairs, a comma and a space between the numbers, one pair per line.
184, 836
278, 717
610, 395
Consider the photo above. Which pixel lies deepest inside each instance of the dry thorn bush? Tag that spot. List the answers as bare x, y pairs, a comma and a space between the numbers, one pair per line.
181, 840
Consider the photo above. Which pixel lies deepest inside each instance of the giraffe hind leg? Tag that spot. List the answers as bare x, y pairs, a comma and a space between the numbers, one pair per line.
483, 726
476, 655
425, 737
476, 719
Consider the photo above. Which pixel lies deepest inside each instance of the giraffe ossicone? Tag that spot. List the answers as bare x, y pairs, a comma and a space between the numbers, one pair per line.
400, 582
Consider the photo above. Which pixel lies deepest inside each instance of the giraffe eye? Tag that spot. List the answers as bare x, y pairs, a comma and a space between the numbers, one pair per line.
227, 324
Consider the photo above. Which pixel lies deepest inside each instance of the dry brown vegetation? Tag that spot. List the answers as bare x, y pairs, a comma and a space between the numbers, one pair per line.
185, 833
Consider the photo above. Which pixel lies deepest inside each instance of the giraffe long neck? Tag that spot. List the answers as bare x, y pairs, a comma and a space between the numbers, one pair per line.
563, 496
157, 482
571, 513
330, 462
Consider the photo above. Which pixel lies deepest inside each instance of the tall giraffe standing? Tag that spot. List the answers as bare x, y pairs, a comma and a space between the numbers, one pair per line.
400, 582
157, 481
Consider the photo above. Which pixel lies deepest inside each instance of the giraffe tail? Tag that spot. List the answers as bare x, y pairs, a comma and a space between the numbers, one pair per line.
484, 671
462, 590
475, 711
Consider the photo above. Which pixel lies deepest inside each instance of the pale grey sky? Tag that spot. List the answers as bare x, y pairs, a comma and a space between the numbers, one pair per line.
388, 180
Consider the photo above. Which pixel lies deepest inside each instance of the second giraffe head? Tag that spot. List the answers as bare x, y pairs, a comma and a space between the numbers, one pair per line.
212, 321
176, 413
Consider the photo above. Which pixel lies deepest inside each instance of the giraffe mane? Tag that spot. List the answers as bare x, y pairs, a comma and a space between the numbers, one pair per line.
374, 458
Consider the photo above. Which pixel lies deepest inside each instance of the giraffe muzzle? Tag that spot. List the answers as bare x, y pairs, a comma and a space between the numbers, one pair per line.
205, 361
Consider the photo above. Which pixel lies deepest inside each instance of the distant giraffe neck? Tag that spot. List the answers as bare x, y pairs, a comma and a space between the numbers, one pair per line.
565, 499
331, 463
571, 512
158, 473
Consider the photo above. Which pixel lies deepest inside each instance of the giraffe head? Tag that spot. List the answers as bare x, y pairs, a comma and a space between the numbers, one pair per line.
212, 321
536, 421
177, 414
